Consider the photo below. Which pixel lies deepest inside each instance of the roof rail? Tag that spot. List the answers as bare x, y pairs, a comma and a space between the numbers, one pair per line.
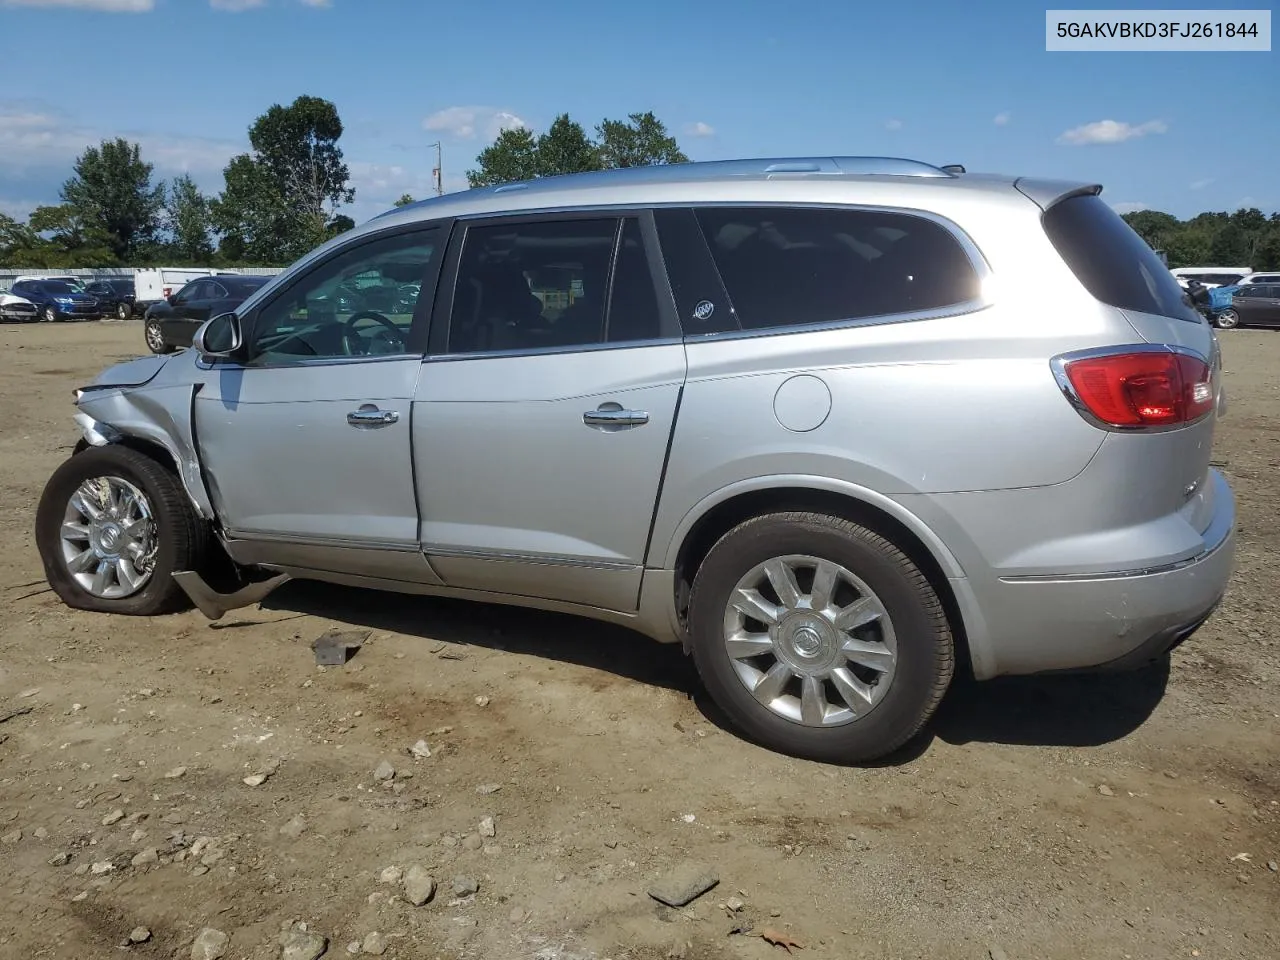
770, 167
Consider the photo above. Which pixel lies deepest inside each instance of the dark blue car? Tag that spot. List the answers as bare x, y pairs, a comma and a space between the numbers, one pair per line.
58, 300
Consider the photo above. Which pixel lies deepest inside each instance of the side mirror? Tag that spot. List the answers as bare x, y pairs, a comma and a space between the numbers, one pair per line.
220, 336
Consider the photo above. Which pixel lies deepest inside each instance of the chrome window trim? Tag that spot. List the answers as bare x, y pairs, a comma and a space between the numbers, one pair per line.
1060, 363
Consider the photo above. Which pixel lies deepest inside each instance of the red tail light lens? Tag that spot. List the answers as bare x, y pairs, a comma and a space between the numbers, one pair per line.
1147, 389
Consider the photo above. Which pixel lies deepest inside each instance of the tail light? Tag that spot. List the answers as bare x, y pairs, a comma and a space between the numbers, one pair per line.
1153, 387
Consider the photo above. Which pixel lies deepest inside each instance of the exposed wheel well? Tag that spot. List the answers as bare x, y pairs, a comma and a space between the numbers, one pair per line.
725, 516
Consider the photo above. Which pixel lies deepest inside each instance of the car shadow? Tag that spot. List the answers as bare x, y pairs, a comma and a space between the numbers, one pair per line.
1067, 710
461, 623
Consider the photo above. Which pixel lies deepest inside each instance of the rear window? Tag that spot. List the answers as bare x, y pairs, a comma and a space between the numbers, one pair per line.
796, 266
1115, 264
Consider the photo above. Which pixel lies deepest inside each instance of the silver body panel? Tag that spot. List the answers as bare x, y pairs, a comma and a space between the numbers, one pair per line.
1063, 545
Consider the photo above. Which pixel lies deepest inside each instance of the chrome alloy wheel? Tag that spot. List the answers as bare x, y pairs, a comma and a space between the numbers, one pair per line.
810, 641
109, 538
155, 339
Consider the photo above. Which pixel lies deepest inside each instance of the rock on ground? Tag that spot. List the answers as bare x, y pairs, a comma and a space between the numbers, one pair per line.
302, 945
210, 944
139, 935
684, 884
419, 886
465, 886
375, 944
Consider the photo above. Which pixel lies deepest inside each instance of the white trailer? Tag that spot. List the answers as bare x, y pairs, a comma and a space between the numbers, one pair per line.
153, 284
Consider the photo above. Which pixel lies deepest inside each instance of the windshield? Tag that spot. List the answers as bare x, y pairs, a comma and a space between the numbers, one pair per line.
61, 287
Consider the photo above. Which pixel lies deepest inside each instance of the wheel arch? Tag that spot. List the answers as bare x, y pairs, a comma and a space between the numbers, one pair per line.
719, 513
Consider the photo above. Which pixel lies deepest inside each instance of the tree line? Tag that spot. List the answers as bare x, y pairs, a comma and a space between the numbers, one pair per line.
1246, 238
280, 199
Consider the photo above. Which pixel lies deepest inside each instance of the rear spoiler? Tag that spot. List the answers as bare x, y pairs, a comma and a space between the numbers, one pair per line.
1047, 193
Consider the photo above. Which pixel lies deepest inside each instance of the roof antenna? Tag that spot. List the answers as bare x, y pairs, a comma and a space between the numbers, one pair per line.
953, 168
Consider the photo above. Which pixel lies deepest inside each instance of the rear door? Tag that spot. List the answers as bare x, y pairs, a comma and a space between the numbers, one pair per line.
545, 408
1250, 304
1270, 299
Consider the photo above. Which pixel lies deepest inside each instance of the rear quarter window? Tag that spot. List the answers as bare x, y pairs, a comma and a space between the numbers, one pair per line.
796, 266
1113, 263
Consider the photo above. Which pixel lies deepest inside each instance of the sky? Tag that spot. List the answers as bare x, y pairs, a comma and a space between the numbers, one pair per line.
946, 83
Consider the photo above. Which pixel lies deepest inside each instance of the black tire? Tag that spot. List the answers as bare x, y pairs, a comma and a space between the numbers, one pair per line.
49, 314
122, 311
183, 536
154, 337
1227, 320
925, 650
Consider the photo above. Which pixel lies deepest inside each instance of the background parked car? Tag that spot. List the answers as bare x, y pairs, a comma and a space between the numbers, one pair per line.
1254, 305
58, 299
171, 323
16, 309
115, 294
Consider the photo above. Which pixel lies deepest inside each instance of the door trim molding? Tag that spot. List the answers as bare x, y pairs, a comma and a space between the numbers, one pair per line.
546, 559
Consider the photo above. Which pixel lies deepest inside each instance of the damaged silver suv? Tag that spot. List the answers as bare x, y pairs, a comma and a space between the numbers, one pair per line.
833, 424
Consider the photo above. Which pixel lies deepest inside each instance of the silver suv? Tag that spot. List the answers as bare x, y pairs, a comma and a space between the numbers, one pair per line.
834, 425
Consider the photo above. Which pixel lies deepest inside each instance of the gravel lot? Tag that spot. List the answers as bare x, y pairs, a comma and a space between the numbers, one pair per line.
210, 784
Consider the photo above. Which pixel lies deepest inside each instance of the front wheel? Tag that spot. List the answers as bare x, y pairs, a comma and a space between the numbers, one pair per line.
49, 314
122, 311
1227, 320
155, 338
819, 638
112, 527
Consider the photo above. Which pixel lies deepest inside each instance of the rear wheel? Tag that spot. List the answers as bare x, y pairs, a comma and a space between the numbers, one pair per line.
112, 527
122, 311
818, 637
1227, 320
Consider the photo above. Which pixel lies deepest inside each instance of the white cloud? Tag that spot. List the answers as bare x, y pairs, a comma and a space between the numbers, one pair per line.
235, 6
1002, 118
1199, 184
699, 129
1129, 206
1110, 131
893, 124
29, 139
465, 122
104, 6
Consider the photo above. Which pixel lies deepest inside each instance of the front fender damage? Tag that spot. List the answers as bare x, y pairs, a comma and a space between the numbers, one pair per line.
161, 415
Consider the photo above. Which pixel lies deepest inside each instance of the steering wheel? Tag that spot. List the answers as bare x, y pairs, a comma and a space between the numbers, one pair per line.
349, 328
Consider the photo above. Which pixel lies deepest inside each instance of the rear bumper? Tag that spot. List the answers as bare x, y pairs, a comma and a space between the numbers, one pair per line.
1114, 620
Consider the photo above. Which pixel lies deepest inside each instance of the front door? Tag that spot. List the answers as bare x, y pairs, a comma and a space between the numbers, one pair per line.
542, 418
305, 440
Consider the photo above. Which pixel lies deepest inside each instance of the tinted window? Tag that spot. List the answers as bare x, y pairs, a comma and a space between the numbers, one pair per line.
1249, 291
530, 286
1270, 291
196, 290
360, 302
791, 266
1113, 263
59, 288
633, 304
243, 286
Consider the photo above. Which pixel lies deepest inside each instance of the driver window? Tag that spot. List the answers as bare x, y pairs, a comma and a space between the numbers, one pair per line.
360, 303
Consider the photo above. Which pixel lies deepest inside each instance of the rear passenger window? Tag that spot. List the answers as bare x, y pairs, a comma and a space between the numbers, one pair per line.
553, 284
1115, 265
793, 266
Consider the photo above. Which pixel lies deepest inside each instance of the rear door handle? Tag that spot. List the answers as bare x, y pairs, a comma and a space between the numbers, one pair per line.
610, 417
372, 418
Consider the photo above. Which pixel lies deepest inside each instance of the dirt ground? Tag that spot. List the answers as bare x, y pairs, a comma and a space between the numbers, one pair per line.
1131, 816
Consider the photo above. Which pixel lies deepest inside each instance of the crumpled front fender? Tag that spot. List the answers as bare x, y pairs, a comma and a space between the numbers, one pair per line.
161, 415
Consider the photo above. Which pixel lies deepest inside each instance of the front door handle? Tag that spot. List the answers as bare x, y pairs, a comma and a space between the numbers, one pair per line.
372, 418
611, 416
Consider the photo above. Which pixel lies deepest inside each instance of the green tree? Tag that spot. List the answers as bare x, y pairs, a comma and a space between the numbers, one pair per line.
281, 199
405, 200
1153, 226
69, 238
189, 222
111, 191
511, 157
340, 224
565, 148
643, 141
